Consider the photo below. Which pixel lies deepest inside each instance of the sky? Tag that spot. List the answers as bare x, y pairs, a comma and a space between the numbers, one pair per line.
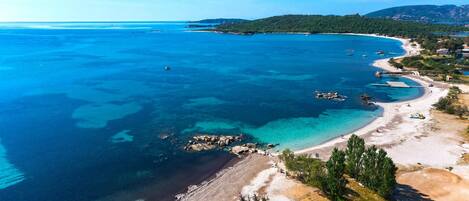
171, 10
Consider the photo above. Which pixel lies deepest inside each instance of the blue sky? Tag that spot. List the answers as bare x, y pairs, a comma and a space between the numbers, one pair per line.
132, 10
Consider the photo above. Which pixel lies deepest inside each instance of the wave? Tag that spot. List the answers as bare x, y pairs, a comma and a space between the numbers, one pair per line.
9, 174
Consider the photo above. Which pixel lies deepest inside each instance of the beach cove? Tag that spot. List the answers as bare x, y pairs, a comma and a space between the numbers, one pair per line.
116, 109
429, 153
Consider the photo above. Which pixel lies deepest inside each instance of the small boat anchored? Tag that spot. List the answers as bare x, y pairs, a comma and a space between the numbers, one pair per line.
167, 68
417, 116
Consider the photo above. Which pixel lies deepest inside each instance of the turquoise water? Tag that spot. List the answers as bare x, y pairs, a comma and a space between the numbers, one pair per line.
87, 111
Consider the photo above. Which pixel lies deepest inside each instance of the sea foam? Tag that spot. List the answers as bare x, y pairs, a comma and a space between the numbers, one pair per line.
9, 174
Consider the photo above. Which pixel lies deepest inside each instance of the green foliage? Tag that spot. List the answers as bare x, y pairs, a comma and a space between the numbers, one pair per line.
437, 66
450, 14
448, 104
393, 62
354, 152
387, 178
308, 170
337, 24
378, 172
335, 183
370, 166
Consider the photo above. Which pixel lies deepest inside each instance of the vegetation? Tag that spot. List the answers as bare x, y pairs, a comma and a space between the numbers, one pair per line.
337, 24
335, 182
445, 14
379, 172
370, 166
308, 170
433, 42
447, 67
354, 151
220, 21
397, 65
449, 104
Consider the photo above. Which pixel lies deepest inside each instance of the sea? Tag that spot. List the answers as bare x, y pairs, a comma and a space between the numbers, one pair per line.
102, 110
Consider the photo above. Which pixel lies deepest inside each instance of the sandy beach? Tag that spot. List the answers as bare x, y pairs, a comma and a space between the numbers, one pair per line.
418, 146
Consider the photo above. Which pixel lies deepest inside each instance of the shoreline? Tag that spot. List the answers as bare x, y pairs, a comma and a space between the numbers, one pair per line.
387, 115
391, 116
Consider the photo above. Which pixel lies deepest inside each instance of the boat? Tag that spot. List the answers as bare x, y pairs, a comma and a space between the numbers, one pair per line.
417, 116
167, 68
380, 52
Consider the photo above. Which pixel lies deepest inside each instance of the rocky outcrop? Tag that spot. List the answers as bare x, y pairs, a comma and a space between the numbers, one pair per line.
335, 96
247, 148
209, 142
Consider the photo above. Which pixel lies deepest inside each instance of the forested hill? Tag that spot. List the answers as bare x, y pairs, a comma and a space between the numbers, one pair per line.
446, 14
220, 21
336, 24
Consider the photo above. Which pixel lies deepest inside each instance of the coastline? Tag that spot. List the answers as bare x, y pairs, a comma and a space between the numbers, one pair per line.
388, 113
389, 131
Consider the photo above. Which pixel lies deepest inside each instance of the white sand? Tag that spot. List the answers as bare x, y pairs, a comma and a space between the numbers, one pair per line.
409, 141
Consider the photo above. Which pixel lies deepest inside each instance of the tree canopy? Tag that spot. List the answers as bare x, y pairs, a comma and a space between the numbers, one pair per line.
337, 24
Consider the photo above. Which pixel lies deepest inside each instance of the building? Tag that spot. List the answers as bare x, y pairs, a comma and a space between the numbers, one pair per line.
442, 51
465, 53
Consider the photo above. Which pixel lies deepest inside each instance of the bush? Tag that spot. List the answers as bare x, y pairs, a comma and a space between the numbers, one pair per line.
308, 170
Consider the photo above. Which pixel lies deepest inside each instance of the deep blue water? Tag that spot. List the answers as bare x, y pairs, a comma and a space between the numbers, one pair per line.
84, 106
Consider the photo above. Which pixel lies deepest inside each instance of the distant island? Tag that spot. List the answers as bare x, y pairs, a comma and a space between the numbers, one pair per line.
337, 24
446, 14
210, 23
220, 21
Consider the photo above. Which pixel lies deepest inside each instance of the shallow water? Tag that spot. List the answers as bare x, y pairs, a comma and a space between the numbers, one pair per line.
85, 107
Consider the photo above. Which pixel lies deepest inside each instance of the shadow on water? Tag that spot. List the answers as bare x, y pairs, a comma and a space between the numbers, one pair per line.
408, 193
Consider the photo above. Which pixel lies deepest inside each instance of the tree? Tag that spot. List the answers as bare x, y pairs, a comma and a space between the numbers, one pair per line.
354, 152
388, 178
287, 156
335, 182
369, 176
379, 172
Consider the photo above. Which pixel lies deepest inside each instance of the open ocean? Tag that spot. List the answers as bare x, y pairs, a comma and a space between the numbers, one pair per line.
87, 111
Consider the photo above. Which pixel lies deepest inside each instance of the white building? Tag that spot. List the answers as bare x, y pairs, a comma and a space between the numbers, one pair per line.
465, 52
442, 51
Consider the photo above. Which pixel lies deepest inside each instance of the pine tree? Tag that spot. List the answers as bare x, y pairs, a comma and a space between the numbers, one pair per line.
368, 176
335, 182
388, 178
354, 153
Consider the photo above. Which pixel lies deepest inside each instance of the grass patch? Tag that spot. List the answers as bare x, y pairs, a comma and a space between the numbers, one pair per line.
361, 193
